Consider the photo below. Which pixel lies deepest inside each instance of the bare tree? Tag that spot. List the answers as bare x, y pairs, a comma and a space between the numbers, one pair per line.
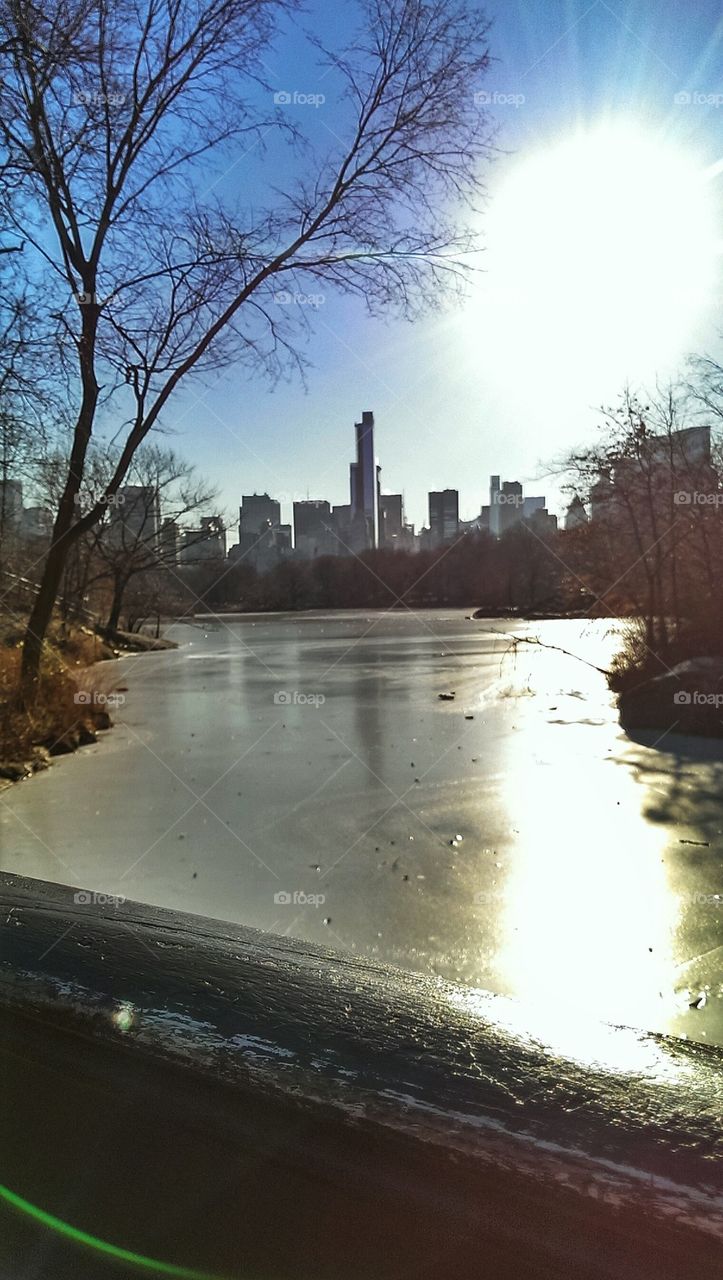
106, 111
138, 538
653, 545
24, 392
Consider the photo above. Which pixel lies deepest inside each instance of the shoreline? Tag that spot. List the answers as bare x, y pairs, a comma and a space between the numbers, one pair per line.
29, 758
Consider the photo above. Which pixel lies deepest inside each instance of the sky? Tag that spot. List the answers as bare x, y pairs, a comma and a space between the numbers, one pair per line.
603, 227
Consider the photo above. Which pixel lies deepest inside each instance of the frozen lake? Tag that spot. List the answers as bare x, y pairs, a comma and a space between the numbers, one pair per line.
512, 838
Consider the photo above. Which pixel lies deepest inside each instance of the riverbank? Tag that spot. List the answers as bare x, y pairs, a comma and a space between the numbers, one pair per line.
72, 705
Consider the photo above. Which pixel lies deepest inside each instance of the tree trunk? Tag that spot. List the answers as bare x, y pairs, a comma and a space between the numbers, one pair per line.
119, 587
42, 610
40, 615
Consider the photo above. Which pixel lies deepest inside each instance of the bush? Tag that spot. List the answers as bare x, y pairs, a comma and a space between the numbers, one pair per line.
56, 721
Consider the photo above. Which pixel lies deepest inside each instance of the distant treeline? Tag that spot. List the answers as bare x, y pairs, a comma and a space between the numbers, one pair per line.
522, 571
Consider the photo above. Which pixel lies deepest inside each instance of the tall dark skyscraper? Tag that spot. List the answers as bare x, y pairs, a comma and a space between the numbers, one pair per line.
364, 485
443, 516
391, 517
312, 528
257, 511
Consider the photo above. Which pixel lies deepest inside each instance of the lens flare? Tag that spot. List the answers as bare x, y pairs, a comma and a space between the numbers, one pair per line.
101, 1246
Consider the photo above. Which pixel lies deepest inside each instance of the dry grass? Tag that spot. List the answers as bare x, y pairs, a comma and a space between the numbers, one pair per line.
79, 646
637, 661
57, 719
634, 661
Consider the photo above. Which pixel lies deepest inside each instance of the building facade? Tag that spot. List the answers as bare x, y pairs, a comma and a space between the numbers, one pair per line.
364, 487
313, 535
443, 516
391, 519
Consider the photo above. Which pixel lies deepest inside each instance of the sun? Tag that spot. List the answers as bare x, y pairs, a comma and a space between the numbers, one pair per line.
602, 258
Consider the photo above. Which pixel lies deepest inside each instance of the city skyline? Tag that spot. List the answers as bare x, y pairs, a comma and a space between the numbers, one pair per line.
280, 508
519, 374
372, 518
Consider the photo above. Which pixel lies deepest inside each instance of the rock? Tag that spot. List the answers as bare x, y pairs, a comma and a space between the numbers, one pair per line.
686, 699
138, 642
65, 744
14, 770
446, 697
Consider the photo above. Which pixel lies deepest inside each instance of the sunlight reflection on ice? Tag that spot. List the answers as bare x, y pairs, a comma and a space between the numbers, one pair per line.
588, 917
568, 1033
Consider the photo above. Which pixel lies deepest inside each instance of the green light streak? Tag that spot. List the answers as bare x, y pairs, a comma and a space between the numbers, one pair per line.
101, 1246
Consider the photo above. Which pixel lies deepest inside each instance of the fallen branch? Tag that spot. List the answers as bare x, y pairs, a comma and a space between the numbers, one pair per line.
517, 640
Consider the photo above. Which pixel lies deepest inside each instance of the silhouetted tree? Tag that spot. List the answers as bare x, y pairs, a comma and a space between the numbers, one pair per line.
106, 107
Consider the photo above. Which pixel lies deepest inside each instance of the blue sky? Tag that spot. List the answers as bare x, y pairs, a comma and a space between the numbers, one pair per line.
462, 394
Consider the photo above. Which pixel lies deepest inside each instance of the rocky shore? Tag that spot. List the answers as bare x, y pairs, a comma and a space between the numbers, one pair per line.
686, 699
73, 711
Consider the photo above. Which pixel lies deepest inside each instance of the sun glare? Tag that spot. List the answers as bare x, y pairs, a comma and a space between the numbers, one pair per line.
601, 258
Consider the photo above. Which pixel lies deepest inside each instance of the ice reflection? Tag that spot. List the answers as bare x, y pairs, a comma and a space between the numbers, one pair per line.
588, 918
570, 1034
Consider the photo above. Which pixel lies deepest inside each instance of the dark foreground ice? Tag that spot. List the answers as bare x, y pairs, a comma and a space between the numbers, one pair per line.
301, 774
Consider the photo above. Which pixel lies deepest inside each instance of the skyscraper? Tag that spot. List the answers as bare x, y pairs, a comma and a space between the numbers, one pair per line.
495, 505
135, 519
506, 505
391, 516
312, 521
364, 486
11, 505
443, 516
256, 512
